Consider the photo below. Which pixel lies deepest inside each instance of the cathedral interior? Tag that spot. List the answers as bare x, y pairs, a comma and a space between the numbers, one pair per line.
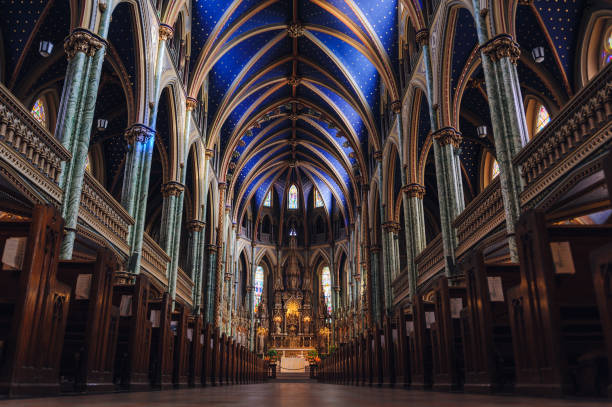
408, 196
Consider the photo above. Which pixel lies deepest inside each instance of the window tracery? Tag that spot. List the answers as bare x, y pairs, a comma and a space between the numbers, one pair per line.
318, 199
292, 199
268, 201
258, 284
326, 285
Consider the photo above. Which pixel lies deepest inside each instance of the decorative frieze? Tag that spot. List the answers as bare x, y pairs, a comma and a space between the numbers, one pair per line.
502, 46
138, 133
448, 135
82, 40
172, 188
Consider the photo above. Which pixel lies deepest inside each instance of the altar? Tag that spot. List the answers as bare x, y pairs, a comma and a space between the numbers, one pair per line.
293, 360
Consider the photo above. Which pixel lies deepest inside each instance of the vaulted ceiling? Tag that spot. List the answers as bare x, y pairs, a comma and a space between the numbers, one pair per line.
294, 85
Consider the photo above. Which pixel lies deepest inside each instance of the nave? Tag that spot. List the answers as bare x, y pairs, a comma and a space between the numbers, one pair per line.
304, 394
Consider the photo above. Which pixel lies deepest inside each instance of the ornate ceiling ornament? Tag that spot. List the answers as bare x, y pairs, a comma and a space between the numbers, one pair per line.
296, 30
165, 32
448, 135
294, 116
191, 103
422, 37
294, 81
82, 40
138, 133
172, 188
502, 46
414, 190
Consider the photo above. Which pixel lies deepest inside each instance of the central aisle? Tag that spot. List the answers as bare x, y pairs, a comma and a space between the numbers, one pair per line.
293, 395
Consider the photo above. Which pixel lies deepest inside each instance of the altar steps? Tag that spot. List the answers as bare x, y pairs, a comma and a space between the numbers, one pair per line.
301, 377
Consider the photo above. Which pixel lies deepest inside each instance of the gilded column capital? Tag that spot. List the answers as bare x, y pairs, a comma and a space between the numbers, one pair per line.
396, 106
422, 37
391, 226
138, 133
172, 188
502, 46
222, 186
165, 32
414, 190
448, 135
191, 103
211, 248
196, 225
83, 40
296, 30
209, 153
378, 155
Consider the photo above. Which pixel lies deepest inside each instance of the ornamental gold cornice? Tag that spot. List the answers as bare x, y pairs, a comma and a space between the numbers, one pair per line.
172, 188
191, 103
165, 32
414, 190
422, 37
138, 133
296, 30
82, 40
448, 135
196, 225
502, 46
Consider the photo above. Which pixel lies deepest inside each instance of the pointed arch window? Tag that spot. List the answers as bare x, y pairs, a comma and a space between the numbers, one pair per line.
326, 285
292, 199
268, 201
606, 55
39, 111
258, 285
542, 119
318, 199
494, 169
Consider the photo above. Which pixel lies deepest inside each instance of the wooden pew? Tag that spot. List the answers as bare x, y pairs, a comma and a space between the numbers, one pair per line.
487, 338
182, 346
402, 349
447, 347
33, 305
387, 353
601, 266
162, 343
420, 344
215, 358
555, 321
88, 353
197, 349
207, 352
131, 367
222, 359
362, 360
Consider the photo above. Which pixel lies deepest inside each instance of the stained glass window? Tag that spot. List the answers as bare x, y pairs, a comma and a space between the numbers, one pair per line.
268, 201
258, 284
494, 169
292, 201
39, 113
606, 55
318, 199
542, 119
326, 283
87, 164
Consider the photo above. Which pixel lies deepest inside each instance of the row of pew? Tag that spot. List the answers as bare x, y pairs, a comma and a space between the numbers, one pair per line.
73, 326
540, 327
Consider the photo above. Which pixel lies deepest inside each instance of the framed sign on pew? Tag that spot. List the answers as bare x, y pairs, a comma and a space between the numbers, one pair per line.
92, 327
33, 304
131, 366
485, 324
557, 332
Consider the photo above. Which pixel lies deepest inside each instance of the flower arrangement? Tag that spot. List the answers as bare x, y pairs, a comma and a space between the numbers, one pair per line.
272, 356
311, 356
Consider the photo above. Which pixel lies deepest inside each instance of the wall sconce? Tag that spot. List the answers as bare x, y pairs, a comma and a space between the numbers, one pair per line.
45, 48
538, 54
482, 131
102, 124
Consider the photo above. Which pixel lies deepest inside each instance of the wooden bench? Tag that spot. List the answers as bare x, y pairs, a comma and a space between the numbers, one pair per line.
387, 353
601, 266
420, 344
207, 351
485, 325
402, 348
182, 346
131, 370
555, 321
33, 304
447, 345
92, 326
161, 363
196, 349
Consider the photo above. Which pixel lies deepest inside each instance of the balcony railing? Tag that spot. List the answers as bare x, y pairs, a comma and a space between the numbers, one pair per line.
480, 217
154, 260
104, 214
28, 147
581, 128
184, 287
401, 286
431, 260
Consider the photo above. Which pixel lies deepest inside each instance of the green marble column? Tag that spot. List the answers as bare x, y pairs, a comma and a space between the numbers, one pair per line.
414, 226
376, 295
211, 283
85, 51
251, 295
499, 57
448, 172
196, 228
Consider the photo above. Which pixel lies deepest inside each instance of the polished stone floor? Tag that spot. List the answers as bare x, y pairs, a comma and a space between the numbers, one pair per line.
294, 395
